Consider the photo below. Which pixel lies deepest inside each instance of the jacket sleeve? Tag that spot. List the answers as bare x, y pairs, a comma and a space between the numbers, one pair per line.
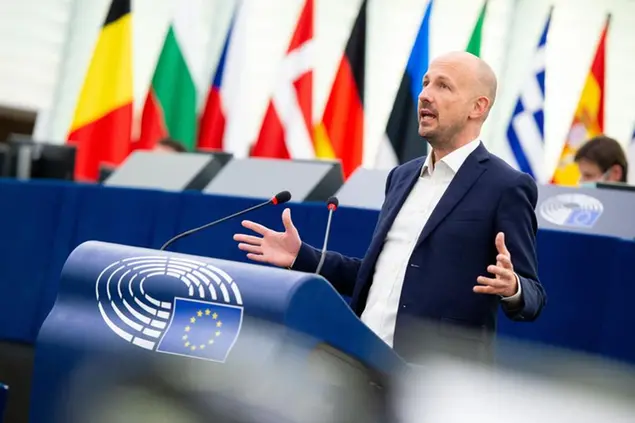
516, 218
339, 270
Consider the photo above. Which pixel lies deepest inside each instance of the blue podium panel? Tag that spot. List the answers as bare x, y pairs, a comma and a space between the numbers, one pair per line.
126, 302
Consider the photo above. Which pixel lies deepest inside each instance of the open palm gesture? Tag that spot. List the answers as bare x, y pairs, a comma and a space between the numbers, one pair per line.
277, 248
504, 282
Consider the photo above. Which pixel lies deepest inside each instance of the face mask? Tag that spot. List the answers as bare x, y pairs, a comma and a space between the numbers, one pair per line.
593, 184
587, 184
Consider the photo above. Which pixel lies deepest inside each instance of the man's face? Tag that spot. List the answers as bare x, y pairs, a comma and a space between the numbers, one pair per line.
444, 101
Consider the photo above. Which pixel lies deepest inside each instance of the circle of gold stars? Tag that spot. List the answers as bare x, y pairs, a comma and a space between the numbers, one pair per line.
200, 315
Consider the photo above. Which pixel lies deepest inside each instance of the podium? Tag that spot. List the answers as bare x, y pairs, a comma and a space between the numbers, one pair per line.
125, 313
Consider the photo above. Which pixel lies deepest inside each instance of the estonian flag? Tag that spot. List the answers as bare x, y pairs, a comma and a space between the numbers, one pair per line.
402, 141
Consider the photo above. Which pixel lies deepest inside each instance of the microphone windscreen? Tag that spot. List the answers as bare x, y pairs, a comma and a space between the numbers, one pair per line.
332, 201
282, 197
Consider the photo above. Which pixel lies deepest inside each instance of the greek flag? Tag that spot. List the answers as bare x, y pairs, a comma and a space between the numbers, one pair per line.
526, 132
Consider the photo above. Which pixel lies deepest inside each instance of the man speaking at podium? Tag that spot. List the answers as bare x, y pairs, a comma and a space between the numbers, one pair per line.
455, 236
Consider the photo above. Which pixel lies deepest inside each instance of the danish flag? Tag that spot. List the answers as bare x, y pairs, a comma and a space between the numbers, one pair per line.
287, 128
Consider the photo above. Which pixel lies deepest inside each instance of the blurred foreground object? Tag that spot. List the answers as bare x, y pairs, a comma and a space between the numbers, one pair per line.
529, 383
266, 383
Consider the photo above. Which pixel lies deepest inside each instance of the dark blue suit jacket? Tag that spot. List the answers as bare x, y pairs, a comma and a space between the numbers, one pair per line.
456, 245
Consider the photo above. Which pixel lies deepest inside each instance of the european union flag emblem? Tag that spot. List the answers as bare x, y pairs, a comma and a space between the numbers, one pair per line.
582, 218
201, 329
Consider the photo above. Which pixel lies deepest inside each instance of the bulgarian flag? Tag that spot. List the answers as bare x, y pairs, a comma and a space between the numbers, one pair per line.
170, 106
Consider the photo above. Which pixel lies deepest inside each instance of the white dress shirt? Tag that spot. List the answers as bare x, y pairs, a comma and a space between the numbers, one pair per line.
380, 314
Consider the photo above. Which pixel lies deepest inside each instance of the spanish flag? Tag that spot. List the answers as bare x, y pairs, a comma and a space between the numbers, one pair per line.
588, 120
341, 132
102, 124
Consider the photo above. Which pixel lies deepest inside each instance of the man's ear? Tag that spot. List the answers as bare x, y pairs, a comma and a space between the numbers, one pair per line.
480, 108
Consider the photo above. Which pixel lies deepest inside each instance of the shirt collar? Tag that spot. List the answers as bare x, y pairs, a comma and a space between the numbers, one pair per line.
454, 160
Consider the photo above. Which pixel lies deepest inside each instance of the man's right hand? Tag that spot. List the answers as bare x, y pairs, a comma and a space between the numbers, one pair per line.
277, 248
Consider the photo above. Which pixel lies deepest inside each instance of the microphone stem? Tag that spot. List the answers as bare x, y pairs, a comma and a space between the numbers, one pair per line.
207, 225
326, 240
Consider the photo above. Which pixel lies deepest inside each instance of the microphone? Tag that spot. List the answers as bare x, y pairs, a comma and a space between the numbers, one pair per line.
280, 198
332, 204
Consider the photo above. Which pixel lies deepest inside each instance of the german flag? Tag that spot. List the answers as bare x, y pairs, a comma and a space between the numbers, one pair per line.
341, 132
588, 120
102, 124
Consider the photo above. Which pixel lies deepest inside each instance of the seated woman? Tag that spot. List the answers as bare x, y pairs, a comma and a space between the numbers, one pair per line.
602, 159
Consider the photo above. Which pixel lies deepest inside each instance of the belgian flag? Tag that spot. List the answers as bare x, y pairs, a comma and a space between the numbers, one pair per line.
102, 124
341, 132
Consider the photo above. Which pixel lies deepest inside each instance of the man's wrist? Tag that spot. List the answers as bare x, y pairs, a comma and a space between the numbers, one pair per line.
295, 258
290, 267
518, 293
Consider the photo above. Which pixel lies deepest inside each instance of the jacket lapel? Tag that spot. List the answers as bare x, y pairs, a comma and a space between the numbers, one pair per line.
467, 175
401, 190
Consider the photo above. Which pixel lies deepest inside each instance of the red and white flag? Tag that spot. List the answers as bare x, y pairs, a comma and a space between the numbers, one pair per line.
287, 128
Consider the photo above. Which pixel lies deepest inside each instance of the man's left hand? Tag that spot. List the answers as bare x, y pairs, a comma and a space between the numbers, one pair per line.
505, 282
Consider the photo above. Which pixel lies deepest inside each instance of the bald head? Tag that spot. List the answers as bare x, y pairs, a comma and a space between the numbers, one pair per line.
487, 81
475, 72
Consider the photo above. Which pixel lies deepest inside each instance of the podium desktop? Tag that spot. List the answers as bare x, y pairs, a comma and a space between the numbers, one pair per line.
130, 306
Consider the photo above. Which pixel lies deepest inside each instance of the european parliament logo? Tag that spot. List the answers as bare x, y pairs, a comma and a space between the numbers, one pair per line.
574, 210
171, 305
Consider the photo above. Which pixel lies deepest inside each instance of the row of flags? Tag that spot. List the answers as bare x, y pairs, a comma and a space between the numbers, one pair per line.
102, 125
526, 132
